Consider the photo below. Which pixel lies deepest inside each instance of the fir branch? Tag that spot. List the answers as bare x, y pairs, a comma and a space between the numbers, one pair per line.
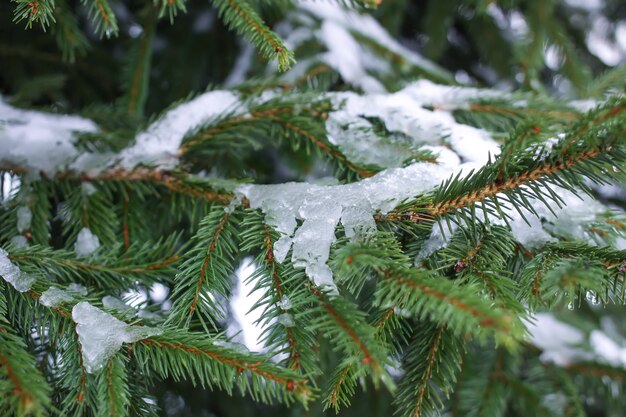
34, 197
564, 382
24, 390
458, 306
94, 211
528, 398
70, 39
391, 330
592, 149
346, 328
422, 293
597, 370
565, 271
78, 387
239, 15
112, 395
216, 365
286, 302
482, 255
102, 16
125, 228
208, 267
432, 363
612, 78
171, 7
176, 181
41, 11
112, 269
485, 388
294, 351
138, 70
500, 117
301, 122
505, 109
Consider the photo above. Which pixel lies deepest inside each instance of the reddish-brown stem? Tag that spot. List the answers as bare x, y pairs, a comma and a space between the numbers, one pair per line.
430, 364
207, 258
367, 356
295, 355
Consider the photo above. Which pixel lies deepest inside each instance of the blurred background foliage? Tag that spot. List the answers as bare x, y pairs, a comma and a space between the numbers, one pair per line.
558, 46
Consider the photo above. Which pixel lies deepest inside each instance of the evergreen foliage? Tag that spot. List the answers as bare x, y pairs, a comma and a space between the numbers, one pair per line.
428, 195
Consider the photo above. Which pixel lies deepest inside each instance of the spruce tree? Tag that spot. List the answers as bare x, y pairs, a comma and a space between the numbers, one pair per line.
421, 203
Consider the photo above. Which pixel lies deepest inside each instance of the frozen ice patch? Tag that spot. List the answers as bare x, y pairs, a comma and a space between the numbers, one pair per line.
319, 208
101, 335
12, 274
53, 296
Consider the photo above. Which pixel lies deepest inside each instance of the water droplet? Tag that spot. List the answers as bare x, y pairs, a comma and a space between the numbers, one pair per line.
592, 297
570, 306
285, 303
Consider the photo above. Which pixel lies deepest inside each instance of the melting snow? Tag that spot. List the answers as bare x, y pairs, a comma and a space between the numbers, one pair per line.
54, 296
12, 274
101, 335
320, 208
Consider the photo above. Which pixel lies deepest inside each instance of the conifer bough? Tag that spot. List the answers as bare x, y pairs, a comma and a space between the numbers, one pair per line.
444, 247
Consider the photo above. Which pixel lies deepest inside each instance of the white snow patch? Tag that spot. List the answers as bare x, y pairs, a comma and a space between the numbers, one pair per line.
367, 26
159, 143
584, 105
40, 141
450, 97
87, 188
12, 274
607, 350
559, 342
159, 292
86, 242
404, 112
101, 335
344, 54
563, 344
241, 302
